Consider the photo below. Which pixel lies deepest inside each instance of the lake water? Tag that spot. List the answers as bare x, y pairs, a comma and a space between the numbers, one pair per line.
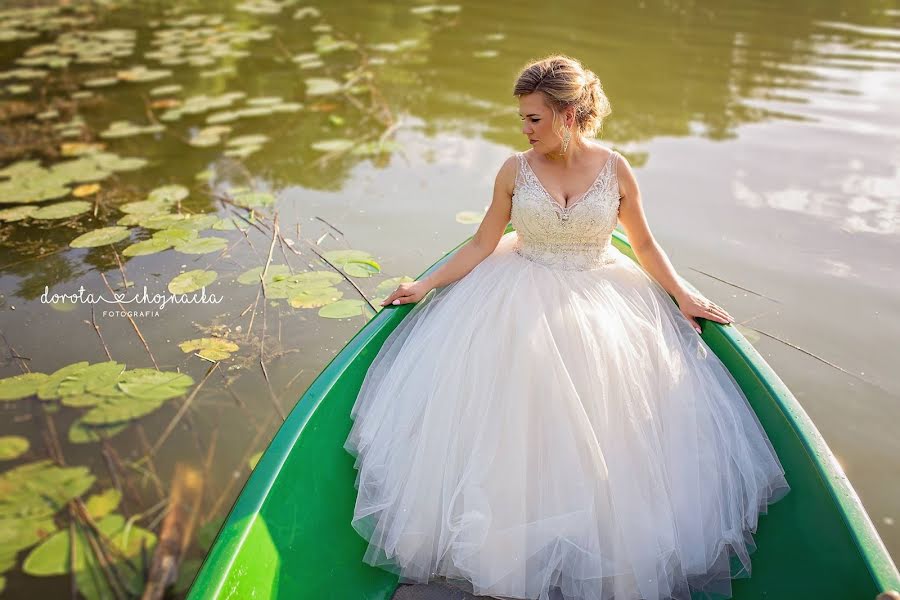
765, 137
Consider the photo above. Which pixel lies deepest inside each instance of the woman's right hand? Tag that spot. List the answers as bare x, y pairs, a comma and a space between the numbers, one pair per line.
411, 291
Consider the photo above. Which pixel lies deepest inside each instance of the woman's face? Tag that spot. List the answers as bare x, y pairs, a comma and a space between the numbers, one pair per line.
537, 123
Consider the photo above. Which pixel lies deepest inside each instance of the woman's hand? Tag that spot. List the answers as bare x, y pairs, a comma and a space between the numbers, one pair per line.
696, 305
411, 291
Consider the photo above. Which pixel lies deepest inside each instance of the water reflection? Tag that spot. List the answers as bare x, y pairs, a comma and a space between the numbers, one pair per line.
373, 125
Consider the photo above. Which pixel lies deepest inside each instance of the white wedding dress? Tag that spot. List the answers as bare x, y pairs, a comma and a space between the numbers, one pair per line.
552, 420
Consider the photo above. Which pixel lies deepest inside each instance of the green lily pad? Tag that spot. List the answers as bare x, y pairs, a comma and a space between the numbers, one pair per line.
210, 348
361, 268
19, 534
145, 247
165, 90
175, 235
48, 389
91, 378
82, 433
144, 207
202, 245
252, 276
315, 298
333, 145
52, 557
248, 140
154, 385
389, 285
253, 199
319, 86
62, 210
168, 193
228, 224
102, 504
191, 281
40, 489
120, 129
21, 386
100, 237
17, 213
13, 446
342, 309
374, 148
355, 263
141, 73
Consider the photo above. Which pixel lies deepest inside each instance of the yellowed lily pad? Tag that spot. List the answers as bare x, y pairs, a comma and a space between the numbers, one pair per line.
210, 348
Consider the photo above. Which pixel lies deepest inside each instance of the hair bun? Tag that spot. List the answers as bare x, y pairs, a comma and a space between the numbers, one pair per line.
564, 83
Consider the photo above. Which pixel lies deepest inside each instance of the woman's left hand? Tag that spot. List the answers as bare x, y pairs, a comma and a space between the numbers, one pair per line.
696, 305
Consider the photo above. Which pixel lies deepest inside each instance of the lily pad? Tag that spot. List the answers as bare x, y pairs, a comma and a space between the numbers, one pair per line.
165, 90
252, 276
62, 210
333, 145
48, 389
169, 194
389, 285
175, 235
343, 309
40, 489
210, 348
253, 199
90, 379
21, 386
154, 385
228, 224
119, 129
320, 86
145, 247
52, 557
81, 433
100, 237
191, 281
355, 263
17, 213
202, 245
12, 446
315, 298
102, 504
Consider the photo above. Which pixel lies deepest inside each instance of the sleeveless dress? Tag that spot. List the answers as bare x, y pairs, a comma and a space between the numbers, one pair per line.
551, 425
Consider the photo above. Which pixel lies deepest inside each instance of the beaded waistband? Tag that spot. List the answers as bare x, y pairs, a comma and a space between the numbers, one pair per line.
567, 256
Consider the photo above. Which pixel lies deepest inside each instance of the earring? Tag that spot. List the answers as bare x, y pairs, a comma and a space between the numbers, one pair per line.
566, 137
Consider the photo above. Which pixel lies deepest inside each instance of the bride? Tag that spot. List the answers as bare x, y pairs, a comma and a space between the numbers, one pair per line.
549, 421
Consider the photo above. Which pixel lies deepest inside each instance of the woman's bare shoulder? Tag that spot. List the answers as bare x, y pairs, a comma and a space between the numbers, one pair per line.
506, 175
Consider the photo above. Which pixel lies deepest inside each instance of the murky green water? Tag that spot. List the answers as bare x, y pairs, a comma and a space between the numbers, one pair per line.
765, 139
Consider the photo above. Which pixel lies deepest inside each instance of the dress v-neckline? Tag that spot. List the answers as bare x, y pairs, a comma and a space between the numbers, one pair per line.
578, 198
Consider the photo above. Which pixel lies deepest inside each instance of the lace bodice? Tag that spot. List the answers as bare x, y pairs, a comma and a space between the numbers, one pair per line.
576, 237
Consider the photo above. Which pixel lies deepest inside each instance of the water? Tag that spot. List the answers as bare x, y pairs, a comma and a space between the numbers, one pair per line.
764, 138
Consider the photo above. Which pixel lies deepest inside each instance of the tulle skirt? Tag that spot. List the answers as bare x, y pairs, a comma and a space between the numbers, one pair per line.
527, 429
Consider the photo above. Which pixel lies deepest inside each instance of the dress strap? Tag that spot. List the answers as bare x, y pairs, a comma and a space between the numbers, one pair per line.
520, 172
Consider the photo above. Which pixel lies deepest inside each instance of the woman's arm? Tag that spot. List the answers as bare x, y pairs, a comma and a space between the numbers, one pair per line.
651, 255
482, 244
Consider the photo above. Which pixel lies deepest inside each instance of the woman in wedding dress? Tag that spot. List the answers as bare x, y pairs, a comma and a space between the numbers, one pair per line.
549, 422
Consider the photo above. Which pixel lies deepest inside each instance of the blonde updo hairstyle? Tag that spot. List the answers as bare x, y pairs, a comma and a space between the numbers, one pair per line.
564, 82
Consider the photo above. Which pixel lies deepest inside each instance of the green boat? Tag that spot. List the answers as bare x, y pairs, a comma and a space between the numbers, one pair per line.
288, 534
